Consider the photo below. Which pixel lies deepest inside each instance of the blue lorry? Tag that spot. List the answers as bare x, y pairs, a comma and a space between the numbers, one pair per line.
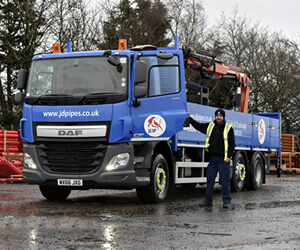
117, 119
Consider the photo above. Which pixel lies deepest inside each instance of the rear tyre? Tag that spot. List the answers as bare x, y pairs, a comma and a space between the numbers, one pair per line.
255, 178
55, 193
158, 188
238, 173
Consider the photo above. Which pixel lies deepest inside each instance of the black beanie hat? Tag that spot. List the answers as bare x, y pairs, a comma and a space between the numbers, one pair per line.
220, 111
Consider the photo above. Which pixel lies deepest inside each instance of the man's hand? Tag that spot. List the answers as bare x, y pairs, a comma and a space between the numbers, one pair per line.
188, 111
228, 160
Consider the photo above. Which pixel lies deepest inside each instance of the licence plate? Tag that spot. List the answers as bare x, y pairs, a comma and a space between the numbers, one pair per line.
69, 182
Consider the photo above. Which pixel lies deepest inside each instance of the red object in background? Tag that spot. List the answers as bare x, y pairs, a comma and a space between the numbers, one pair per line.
11, 156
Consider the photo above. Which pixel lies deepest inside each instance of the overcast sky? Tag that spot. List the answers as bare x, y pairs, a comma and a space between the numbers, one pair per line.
278, 15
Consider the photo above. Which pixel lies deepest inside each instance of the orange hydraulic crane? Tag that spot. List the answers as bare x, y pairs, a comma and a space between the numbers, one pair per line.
212, 68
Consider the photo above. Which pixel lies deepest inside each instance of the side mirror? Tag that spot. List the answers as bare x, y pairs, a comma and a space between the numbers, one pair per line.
19, 97
140, 72
140, 91
22, 79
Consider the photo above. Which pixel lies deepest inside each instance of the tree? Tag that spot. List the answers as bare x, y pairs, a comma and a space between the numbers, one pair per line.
73, 21
22, 28
280, 90
152, 23
273, 61
241, 45
139, 21
188, 21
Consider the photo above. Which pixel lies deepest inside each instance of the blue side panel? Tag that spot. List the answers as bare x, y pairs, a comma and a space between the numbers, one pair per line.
121, 123
252, 132
201, 114
26, 124
273, 130
275, 135
242, 128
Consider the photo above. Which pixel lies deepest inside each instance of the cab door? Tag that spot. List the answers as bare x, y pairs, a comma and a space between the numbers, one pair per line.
161, 113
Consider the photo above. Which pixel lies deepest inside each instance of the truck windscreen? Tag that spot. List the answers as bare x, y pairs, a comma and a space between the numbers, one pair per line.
77, 81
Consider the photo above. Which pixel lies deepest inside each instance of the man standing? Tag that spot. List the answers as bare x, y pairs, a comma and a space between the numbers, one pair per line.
220, 143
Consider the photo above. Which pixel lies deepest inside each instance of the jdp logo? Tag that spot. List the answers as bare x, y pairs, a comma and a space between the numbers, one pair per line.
155, 125
261, 131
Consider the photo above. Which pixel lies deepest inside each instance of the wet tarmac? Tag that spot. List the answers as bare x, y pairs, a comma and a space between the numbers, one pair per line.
115, 219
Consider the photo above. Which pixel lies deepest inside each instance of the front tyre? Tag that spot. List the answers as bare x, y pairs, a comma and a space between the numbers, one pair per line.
55, 193
158, 188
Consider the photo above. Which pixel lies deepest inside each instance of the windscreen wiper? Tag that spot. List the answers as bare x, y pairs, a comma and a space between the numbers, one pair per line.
97, 98
48, 98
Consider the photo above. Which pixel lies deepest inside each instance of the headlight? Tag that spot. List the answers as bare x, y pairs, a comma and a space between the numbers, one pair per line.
28, 161
118, 161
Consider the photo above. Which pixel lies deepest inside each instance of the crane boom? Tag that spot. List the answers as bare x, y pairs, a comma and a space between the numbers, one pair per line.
212, 68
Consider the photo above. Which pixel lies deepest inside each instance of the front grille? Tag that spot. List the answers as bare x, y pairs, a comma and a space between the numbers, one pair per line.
71, 157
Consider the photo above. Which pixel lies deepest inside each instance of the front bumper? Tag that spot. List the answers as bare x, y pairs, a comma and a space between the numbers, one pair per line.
100, 178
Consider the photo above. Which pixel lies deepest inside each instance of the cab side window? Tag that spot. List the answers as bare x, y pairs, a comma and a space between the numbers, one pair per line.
163, 77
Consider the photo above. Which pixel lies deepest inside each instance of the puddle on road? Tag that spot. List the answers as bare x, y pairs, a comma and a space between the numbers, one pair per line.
119, 204
107, 211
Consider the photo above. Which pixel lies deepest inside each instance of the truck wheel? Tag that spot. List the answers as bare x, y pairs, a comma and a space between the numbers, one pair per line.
255, 178
55, 193
158, 188
238, 173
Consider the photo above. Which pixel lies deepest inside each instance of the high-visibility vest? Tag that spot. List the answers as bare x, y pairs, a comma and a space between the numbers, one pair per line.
225, 136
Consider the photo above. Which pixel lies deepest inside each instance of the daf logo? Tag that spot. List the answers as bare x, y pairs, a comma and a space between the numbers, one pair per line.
69, 132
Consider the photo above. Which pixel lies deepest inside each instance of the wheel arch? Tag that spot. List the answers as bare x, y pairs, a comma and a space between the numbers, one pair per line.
154, 153
149, 149
164, 149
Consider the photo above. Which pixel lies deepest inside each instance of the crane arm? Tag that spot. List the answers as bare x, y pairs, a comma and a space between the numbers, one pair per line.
212, 68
